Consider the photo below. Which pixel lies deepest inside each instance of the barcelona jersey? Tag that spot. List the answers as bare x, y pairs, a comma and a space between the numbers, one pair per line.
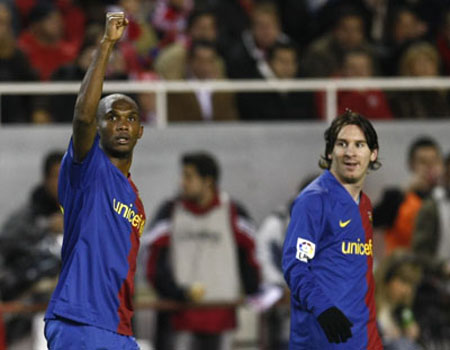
103, 221
327, 261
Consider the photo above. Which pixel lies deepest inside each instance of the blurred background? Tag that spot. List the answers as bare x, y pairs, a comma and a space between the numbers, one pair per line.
253, 84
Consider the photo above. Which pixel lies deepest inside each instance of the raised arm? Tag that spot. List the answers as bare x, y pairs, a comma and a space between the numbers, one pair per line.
84, 120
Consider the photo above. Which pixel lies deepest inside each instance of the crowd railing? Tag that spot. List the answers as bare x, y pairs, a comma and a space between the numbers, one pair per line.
162, 88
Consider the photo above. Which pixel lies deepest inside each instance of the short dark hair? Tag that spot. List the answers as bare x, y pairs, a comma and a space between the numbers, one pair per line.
197, 13
420, 142
52, 158
281, 45
41, 11
201, 44
267, 7
347, 10
205, 164
349, 118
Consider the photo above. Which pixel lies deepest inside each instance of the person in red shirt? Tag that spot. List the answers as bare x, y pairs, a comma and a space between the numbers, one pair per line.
44, 43
371, 103
170, 19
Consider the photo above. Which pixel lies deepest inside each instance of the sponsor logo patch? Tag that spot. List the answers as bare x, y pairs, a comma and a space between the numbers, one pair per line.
305, 250
357, 248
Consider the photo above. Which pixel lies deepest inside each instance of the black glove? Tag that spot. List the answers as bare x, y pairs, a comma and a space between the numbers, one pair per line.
336, 326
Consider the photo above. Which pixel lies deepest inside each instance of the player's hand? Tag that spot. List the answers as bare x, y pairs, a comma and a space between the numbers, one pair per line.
115, 26
196, 292
336, 325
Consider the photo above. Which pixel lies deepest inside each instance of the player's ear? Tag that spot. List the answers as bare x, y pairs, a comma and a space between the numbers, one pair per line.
374, 155
141, 131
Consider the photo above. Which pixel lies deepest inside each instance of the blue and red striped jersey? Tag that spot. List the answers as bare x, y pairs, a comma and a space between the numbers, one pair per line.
103, 221
327, 261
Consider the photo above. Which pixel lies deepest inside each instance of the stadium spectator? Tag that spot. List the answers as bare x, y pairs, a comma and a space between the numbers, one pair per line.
372, 103
270, 239
282, 61
324, 14
171, 61
73, 17
407, 26
57, 105
14, 67
43, 41
325, 55
53, 108
146, 100
432, 309
41, 219
140, 41
431, 243
170, 19
31, 248
431, 235
397, 279
232, 20
403, 28
443, 42
396, 212
299, 21
247, 59
203, 105
201, 249
420, 60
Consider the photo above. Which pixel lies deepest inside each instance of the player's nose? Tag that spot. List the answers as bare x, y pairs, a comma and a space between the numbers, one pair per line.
350, 150
122, 124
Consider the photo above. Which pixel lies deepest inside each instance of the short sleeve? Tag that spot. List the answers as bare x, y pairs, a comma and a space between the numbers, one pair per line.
81, 174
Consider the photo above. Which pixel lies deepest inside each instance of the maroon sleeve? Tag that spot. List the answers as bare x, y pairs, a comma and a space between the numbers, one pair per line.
244, 231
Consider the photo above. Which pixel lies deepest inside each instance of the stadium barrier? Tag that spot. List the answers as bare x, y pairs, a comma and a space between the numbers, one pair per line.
162, 88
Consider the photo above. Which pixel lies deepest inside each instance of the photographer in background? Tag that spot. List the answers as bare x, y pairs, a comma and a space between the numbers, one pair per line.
30, 243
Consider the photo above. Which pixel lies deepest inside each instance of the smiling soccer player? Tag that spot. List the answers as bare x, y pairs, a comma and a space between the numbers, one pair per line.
327, 257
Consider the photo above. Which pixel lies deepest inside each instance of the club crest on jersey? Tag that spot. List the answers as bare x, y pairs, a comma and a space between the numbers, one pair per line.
305, 250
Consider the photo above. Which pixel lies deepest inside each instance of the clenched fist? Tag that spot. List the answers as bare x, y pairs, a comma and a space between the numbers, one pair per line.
115, 26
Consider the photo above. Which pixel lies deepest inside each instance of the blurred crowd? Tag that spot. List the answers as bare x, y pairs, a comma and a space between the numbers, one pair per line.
53, 40
202, 246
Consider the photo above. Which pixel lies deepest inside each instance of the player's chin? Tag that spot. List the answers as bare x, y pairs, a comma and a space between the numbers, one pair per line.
122, 151
351, 177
